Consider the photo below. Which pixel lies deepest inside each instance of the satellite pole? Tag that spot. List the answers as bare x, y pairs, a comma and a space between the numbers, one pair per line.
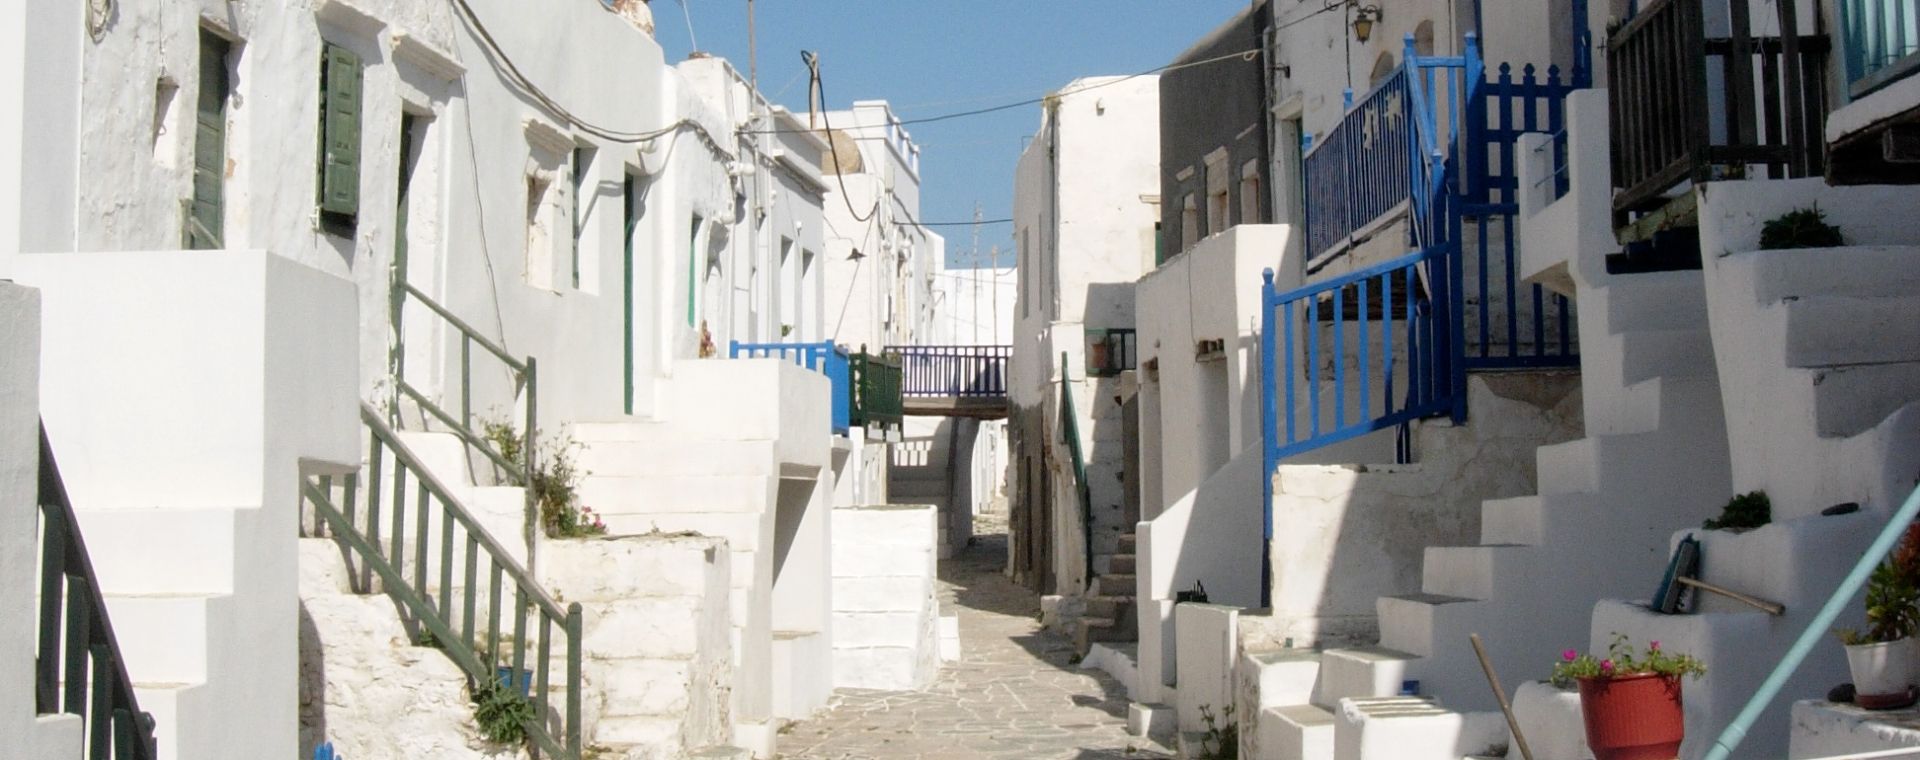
753, 53
973, 258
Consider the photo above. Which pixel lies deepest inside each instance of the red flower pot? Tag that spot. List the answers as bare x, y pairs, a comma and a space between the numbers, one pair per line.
1635, 717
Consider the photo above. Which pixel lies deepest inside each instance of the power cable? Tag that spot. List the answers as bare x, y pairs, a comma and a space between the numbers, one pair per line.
813, 71
1245, 55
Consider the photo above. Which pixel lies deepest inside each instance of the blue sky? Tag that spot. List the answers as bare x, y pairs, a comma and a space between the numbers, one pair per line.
931, 57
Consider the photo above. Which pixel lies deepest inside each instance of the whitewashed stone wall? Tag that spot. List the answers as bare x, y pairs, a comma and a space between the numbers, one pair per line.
884, 614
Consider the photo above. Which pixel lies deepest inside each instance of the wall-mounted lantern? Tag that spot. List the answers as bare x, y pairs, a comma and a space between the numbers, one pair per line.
1363, 19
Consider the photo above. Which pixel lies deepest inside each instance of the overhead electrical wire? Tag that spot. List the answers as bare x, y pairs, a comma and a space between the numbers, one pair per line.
816, 85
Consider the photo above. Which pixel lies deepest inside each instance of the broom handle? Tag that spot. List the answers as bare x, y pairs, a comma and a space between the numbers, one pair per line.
1500, 693
1771, 608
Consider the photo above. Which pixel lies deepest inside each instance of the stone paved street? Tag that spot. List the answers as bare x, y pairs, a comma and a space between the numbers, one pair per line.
1012, 695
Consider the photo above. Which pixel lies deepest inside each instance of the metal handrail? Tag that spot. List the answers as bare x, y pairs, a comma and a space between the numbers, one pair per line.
116, 726
526, 378
1736, 731
435, 609
1070, 430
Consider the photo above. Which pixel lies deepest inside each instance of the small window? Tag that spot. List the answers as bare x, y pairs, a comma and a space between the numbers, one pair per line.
205, 222
583, 193
540, 240
1189, 222
1250, 194
341, 75
693, 266
1110, 352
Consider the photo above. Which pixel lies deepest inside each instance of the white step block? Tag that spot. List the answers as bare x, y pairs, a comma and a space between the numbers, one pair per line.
125, 545
1568, 467
1285, 677
1410, 728
444, 455
1648, 354
744, 531
1150, 720
181, 718
1654, 301
1834, 331
1851, 400
1551, 719
1360, 673
1860, 271
164, 638
1518, 520
1296, 732
1824, 729
1460, 571
682, 493
676, 457
1409, 623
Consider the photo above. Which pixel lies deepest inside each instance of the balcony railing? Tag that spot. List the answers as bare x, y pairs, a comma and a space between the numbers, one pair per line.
954, 371
876, 390
1359, 172
823, 357
1882, 39
412, 537
78, 668
1689, 107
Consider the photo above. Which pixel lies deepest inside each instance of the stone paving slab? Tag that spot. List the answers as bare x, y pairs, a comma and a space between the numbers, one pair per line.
1012, 695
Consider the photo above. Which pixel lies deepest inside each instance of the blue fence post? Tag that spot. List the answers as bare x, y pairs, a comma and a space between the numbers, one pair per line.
1269, 446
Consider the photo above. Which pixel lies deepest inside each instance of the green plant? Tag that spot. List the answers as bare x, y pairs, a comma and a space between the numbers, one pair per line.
1799, 228
1220, 742
501, 714
1892, 611
555, 483
1622, 660
1749, 510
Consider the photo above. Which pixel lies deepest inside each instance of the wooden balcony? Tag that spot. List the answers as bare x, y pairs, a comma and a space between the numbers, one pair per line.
1689, 107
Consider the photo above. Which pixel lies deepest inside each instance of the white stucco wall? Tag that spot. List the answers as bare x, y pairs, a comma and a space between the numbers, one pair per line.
885, 295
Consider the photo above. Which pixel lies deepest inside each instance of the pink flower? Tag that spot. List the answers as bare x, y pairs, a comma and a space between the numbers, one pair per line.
1606, 666
1569, 655
1655, 646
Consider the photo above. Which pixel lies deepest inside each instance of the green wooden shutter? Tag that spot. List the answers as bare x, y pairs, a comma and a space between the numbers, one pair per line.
340, 78
206, 210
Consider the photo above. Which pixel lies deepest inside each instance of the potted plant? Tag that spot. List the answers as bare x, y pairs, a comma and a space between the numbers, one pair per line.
1885, 659
1630, 700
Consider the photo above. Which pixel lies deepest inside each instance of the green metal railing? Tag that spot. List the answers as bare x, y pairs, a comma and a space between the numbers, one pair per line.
466, 425
115, 726
453, 611
1816, 629
1070, 430
876, 389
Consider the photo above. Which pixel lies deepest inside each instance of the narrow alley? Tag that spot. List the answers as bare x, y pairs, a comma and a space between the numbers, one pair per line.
1014, 693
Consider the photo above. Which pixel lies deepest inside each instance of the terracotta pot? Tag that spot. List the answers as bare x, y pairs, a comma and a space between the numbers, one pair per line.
1634, 717
1883, 672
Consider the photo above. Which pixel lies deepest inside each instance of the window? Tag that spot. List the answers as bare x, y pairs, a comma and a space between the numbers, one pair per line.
630, 192
206, 215
788, 290
540, 242
341, 76
583, 193
1217, 211
1110, 352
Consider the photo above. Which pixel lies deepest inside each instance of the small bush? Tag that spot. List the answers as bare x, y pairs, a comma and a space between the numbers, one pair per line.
1800, 228
1745, 511
556, 483
501, 714
1220, 742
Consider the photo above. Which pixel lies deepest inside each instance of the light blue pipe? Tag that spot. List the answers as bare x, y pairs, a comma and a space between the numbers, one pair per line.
1736, 731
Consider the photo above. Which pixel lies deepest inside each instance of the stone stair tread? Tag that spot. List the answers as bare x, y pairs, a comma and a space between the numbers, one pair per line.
1304, 715
1434, 599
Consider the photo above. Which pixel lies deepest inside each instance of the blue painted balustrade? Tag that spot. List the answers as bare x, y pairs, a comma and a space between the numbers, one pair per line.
823, 357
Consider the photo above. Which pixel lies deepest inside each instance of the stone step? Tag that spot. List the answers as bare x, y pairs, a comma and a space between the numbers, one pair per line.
1837, 331
677, 493
1121, 564
1114, 584
1551, 719
1095, 630
1409, 623
1113, 607
667, 457
1827, 729
1359, 673
721, 753
1126, 545
1461, 571
170, 638
1413, 728
1859, 271
199, 548
1851, 400
1296, 732
1647, 354
1654, 301
1568, 467
1519, 520
1283, 677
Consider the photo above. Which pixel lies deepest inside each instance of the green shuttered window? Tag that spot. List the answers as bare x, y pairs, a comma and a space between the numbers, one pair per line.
340, 84
206, 210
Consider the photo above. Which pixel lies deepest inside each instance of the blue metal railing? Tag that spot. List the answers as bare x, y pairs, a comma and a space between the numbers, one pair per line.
823, 357
1359, 172
1518, 325
954, 371
1882, 42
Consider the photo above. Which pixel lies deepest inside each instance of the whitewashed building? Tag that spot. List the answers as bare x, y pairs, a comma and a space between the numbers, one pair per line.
345, 258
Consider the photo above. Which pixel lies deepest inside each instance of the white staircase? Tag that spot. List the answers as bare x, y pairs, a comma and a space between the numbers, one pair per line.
1653, 460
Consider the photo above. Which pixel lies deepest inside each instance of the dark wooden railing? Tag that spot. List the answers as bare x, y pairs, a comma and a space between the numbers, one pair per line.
954, 371
78, 668
1685, 106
